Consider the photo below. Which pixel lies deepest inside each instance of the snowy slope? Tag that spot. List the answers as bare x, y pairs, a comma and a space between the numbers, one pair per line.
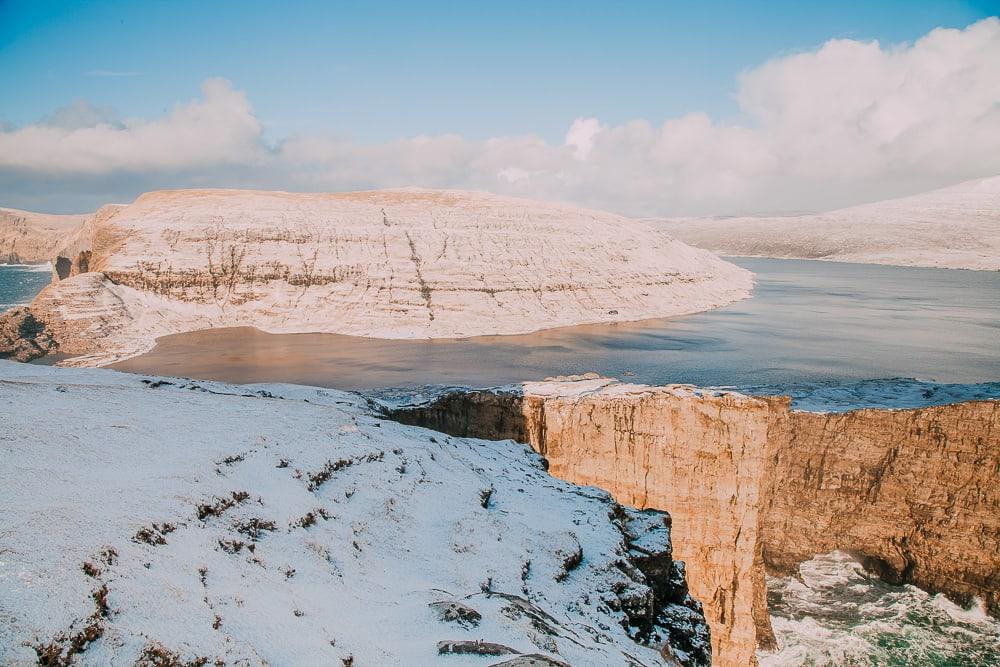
956, 227
283, 525
389, 264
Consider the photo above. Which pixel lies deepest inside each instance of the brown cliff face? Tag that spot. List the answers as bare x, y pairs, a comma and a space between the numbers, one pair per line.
747, 480
700, 455
916, 493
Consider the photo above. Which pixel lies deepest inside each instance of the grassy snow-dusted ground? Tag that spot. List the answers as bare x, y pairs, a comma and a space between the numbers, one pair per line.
147, 518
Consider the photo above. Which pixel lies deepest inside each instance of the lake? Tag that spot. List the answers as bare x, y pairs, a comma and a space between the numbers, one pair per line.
808, 321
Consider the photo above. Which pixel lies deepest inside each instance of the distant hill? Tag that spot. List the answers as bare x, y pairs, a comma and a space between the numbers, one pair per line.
388, 263
956, 227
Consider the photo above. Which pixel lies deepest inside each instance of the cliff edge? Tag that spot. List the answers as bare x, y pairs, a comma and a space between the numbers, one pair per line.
753, 485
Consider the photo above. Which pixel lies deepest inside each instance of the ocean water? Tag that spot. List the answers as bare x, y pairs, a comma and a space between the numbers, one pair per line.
834, 614
19, 283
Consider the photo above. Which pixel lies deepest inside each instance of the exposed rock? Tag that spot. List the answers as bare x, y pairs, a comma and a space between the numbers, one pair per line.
749, 481
956, 227
473, 647
133, 507
391, 264
532, 660
33, 238
452, 611
22, 336
915, 493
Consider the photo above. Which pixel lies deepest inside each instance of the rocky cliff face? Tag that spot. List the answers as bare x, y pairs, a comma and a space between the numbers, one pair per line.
702, 454
33, 238
749, 481
391, 264
913, 492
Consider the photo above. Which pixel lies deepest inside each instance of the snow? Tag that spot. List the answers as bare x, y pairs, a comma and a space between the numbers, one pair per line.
387, 264
956, 227
361, 524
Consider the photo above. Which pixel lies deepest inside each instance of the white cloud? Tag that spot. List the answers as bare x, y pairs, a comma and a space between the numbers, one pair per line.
219, 129
580, 136
851, 121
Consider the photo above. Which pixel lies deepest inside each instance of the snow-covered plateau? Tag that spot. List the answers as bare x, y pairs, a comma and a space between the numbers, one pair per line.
159, 521
956, 227
386, 264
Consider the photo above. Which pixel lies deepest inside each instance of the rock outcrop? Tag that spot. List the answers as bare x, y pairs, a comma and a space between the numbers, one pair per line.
23, 337
33, 238
956, 227
165, 522
750, 483
914, 493
390, 264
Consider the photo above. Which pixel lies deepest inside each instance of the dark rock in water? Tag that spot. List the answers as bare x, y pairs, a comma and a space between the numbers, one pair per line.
23, 337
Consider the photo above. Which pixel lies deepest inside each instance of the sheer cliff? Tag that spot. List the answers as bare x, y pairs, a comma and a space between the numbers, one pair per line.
33, 238
752, 484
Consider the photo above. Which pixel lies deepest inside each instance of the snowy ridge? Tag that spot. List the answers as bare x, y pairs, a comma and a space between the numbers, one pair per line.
956, 227
168, 519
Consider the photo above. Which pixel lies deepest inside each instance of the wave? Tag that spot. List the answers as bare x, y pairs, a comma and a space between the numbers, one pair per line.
47, 267
834, 613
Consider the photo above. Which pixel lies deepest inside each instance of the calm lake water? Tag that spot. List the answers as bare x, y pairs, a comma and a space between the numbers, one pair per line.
807, 321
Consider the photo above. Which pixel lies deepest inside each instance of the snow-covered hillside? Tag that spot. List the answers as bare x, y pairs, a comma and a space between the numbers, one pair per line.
167, 521
389, 264
956, 227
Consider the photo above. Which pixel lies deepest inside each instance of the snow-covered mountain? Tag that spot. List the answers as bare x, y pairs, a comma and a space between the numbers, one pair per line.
390, 264
956, 227
161, 521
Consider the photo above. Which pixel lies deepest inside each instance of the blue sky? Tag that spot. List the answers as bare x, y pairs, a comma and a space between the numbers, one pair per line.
641, 108
377, 71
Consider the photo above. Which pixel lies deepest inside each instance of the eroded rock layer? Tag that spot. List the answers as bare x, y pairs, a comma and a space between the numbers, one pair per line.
914, 492
33, 238
747, 480
390, 264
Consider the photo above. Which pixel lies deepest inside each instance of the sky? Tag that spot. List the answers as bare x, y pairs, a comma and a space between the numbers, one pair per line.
643, 108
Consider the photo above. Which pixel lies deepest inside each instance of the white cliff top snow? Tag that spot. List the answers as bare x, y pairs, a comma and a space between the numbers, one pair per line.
956, 227
286, 525
388, 264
